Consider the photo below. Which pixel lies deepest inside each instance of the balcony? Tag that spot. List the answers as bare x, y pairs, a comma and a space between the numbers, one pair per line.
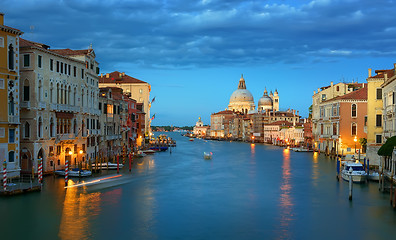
24, 104
66, 136
14, 119
41, 105
113, 137
93, 132
64, 108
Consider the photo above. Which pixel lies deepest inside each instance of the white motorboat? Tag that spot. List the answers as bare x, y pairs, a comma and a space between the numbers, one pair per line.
356, 170
301, 149
108, 165
140, 154
75, 172
148, 151
208, 155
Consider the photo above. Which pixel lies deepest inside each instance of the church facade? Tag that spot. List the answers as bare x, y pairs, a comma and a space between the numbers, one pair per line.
242, 100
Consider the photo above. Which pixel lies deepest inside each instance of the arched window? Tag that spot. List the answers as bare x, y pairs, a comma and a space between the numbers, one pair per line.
69, 96
74, 97
353, 107
61, 94
82, 128
353, 129
338, 88
52, 127
11, 110
27, 130
10, 57
57, 94
26, 90
40, 128
40, 86
51, 92
75, 127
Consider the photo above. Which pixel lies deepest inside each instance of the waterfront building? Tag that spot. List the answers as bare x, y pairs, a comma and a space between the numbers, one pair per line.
264, 117
131, 122
138, 89
113, 122
341, 121
9, 96
220, 123
140, 124
321, 114
59, 106
375, 107
308, 137
199, 128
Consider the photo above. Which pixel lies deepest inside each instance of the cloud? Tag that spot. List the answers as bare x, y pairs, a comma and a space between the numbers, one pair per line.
209, 33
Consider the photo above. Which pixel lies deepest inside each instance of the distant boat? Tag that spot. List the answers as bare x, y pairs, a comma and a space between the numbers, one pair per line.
191, 139
149, 151
108, 165
140, 154
75, 172
208, 155
301, 149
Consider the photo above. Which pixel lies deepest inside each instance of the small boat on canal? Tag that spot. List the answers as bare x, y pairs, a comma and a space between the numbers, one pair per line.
140, 154
191, 139
208, 155
373, 176
74, 172
356, 170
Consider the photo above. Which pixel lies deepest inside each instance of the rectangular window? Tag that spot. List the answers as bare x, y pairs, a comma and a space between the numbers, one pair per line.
11, 135
57, 66
51, 151
75, 148
39, 61
379, 93
365, 120
11, 156
61, 67
51, 64
65, 68
2, 132
26, 60
100, 106
58, 150
334, 128
69, 67
97, 70
26, 93
378, 138
378, 120
1, 83
82, 73
393, 97
1, 42
323, 97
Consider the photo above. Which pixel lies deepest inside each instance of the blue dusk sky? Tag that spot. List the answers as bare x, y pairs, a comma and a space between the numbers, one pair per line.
194, 52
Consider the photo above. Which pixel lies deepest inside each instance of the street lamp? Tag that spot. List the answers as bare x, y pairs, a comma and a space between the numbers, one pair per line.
355, 140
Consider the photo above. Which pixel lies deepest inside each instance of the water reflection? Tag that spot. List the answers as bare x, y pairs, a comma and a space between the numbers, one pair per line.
78, 208
315, 169
286, 201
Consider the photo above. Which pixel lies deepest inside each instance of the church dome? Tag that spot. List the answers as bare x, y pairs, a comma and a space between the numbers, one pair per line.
241, 99
265, 102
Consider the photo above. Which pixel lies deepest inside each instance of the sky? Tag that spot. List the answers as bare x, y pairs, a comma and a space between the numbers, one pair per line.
193, 53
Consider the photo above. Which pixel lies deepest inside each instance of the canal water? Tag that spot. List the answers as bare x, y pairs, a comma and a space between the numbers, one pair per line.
247, 191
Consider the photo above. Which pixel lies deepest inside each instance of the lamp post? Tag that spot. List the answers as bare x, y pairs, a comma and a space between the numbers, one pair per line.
355, 140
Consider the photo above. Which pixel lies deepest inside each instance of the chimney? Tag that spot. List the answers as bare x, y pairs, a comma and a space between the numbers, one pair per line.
369, 72
318, 90
363, 85
101, 75
386, 76
331, 83
123, 73
1, 18
107, 75
314, 92
120, 75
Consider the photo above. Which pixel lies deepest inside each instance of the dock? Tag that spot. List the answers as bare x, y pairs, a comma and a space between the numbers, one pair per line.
20, 185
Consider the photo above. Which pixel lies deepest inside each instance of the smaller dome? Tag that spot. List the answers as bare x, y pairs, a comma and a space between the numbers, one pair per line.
265, 102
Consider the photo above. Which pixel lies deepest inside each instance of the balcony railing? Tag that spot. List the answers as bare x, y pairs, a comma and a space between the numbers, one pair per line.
42, 105
13, 119
64, 107
66, 136
24, 104
112, 137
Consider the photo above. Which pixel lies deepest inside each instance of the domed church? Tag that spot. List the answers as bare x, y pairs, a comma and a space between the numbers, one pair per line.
242, 100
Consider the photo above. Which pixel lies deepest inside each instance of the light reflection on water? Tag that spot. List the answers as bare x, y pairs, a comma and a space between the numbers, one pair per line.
315, 169
285, 199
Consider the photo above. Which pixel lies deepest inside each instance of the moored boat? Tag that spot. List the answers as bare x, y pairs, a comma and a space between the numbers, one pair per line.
108, 165
148, 151
75, 172
356, 170
373, 176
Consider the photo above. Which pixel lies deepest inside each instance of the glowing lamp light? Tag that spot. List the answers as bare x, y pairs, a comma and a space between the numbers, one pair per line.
81, 151
355, 139
70, 152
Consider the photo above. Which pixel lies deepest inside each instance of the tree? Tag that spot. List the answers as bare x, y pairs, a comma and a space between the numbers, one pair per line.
310, 111
387, 148
363, 143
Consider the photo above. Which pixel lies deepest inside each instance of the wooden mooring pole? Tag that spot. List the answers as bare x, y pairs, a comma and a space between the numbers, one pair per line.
350, 184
